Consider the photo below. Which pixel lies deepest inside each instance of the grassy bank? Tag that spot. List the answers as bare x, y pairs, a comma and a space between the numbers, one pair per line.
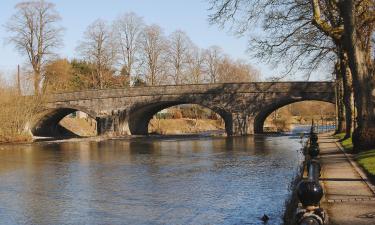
183, 126
365, 159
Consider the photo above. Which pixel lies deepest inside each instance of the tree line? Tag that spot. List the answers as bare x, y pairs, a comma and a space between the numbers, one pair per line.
120, 53
308, 34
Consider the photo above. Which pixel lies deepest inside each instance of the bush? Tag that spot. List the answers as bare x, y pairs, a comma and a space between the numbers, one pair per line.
16, 113
177, 114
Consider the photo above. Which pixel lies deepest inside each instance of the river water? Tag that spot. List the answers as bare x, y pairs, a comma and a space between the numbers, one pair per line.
195, 180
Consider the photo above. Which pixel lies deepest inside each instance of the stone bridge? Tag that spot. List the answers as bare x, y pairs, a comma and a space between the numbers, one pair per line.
243, 106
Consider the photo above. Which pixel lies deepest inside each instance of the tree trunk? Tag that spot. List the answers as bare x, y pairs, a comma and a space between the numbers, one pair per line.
339, 101
37, 79
347, 97
359, 61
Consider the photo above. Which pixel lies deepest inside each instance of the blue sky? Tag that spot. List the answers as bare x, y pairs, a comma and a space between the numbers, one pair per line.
187, 15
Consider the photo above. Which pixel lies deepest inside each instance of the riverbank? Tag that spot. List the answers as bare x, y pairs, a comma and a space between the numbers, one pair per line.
184, 126
16, 139
348, 195
85, 128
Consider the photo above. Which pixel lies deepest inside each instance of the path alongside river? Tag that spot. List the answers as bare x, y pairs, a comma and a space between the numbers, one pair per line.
348, 198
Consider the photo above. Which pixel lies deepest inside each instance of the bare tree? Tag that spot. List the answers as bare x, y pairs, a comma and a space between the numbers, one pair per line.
179, 47
35, 32
314, 31
98, 48
196, 67
213, 60
153, 50
352, 35
288, 38
359, 24
128, 28
236, 71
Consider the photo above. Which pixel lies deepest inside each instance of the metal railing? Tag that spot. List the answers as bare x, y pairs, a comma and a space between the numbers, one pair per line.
309, 191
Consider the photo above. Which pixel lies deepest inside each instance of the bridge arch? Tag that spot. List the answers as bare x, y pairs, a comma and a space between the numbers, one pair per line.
267, 110
140, 116
47, 123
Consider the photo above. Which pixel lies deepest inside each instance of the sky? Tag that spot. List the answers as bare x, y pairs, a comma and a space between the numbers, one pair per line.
190, 16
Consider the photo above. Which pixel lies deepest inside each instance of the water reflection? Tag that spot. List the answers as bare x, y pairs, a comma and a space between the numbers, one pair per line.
160, 181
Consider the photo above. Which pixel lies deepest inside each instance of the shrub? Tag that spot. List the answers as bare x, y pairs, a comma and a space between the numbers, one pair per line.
16, 114
177, 114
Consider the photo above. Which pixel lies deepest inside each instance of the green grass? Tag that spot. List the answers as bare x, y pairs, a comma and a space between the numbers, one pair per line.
365, 159
340, 136
347, 143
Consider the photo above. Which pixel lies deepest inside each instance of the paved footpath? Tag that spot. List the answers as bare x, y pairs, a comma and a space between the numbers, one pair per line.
348, 200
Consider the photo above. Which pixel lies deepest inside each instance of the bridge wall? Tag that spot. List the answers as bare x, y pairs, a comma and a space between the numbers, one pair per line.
243, 106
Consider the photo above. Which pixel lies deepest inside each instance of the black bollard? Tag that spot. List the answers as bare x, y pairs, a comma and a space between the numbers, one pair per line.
313, 138
313, 169
309, 193
313, 150
313, 135
310, 220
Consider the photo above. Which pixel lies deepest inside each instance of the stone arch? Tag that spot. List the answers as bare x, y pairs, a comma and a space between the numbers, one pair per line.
266, 111
47, 123
140, 116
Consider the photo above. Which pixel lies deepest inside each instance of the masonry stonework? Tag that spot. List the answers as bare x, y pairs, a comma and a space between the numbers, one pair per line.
127, 111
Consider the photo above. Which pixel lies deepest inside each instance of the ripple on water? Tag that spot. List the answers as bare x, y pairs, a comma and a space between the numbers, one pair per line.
159, 181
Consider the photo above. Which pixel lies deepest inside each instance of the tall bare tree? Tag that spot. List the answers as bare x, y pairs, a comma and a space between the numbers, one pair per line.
213, 59
128, 28
35, 32
98, 48
196, 67
352, 36
288, 37
179, 47
236, 71
153, 50
311, 30
359, 24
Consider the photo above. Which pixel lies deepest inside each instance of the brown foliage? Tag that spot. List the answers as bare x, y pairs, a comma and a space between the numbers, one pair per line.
58, 76
236, 71
16, 114
176, 114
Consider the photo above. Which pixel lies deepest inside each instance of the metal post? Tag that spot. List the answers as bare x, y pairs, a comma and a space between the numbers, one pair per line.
314, 170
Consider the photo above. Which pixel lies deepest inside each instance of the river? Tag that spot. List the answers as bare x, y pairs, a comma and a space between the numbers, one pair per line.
172, 180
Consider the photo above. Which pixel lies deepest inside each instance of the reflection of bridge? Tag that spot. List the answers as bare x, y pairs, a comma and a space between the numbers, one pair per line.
243, 106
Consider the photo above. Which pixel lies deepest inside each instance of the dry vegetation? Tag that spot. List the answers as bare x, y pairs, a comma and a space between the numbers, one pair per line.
184, 126
15, 115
